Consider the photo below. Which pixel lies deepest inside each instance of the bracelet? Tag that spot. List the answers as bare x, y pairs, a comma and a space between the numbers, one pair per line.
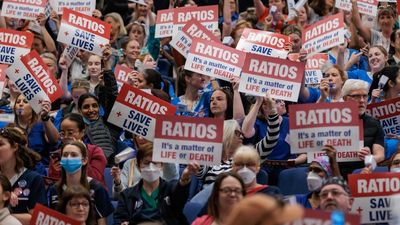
45, 118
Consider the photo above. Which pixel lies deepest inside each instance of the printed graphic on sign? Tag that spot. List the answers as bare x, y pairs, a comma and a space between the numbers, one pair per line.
324, 34
164, 23
315, 125
263, 43
181, 139
214, 59
371, 194
343, 4
27, 9
44, 216
84, 32
83, 6
69, 54
14, 44
313, 71
282, 78
2, 78
32, 78
388, 113
121, 75
192, 29
206, 15
368, 7
135, 111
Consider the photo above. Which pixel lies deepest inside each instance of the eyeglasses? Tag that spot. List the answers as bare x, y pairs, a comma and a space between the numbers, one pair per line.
396, 162
238, 133
358, 97
76, 205
227, 190
335, 193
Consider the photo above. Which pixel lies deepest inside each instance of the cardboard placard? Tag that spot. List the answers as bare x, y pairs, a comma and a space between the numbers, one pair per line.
180, 139
324, 34
206, 15
214, 59
83, 6
388, 113
368, 7
313, 71
281, 77
84, 32
32, 78
69, 54
121, 75
263, 43
321, 217
44, 216
135, 111
164, 23
14, 44
28, 9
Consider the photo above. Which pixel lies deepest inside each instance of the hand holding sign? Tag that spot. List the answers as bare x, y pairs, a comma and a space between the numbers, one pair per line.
364, 151
330, 151
191, 169
46, 107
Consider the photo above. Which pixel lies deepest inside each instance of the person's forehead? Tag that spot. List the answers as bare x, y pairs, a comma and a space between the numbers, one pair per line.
331, 187
358, 91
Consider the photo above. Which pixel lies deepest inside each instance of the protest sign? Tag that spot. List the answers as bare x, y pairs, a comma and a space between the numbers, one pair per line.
315, 125
214, 59
263, 43
121, 75
321, 217
343, 4
2, 78
142, 2
84, 32
368, 7
371, 194
281, 77
44, 216
7, 117
206, 15
14, 44
193, 29
69, 54
32, 78
134, 110
83, 6
181, 139
324, 34
28, 9
164, 23
388, 113
313, 71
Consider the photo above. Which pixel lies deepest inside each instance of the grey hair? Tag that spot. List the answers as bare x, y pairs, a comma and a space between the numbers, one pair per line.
247, 151
229, 133
354, 84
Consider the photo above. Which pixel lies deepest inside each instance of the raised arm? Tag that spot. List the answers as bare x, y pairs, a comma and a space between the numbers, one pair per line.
238, 110
227, 23
364, 31
260, 8
250, 119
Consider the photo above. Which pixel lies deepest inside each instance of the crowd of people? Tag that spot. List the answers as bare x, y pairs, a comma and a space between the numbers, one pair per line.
57, 157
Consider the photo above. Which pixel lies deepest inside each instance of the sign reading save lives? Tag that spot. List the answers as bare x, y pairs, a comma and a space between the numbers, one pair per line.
135, 110
181, 139
84, 32
14, 44
33, 80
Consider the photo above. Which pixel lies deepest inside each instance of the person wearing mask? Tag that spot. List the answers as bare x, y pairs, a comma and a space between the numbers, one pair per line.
5, 194
335, 195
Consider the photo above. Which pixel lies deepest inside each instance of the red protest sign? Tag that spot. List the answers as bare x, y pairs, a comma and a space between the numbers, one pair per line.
183, 139
2, 77
121, 75
388, 113
43, 216
372, 193
83, 31
368, 7
281, 77
314, 125
214, 59
324, 34
263, 43
164, 23
14, 44
31, 76
313, 71
82, 6
134, 110
322, 217
28, 9
206, 15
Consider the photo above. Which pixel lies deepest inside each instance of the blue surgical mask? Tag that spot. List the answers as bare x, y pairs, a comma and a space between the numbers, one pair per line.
72, 164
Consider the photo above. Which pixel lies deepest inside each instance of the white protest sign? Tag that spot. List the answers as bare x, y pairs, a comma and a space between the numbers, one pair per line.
388, 113
324, 34
14, 44
33, 80
313, 71
164, 23
135, 110
83, 6
193, 29
121, 75
142, 2
84, 32
371, 195
368, 7
69, 54
263, 43
26, 9
2, 78
314, 125
343, 4
206, 15
214, 59
181, 139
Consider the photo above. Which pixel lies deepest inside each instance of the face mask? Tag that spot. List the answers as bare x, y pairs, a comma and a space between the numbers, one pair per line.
395, 170
71, 165
247, 175
151, 173
314, 182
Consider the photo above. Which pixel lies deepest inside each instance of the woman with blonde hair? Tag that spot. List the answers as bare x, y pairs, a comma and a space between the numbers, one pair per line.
118, 31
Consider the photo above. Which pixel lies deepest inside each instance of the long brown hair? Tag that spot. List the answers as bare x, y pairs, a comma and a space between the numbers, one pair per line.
34, 118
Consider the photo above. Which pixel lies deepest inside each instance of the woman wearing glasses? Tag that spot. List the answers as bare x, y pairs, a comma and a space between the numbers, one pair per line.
76, 204
228, 190
74, 163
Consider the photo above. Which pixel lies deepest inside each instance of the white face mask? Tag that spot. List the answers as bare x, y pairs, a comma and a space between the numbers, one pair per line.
247, 175
151, 173
314, 182
395, 170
